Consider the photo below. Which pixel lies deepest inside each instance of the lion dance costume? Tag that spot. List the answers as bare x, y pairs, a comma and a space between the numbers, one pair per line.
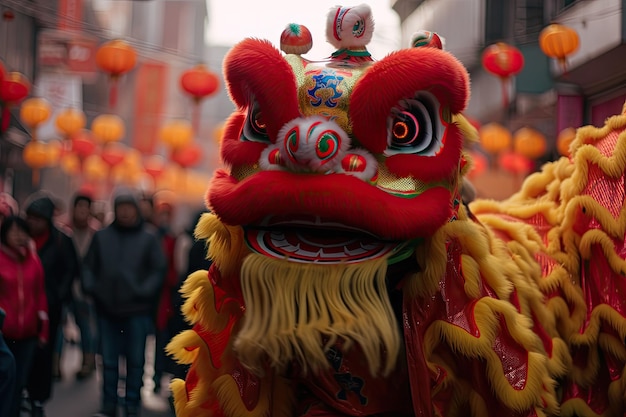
349, 279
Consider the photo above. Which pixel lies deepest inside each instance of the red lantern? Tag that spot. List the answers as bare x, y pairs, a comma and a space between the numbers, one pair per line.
504, 61
199, 83
115, 57
14, 88
154, 166
113, 154
83, 144
479, 164
188, 156
515, 163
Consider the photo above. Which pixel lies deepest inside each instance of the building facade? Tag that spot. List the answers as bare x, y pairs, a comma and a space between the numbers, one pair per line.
544, 95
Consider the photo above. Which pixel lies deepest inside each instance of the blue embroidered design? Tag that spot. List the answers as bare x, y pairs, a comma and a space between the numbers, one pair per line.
326, 79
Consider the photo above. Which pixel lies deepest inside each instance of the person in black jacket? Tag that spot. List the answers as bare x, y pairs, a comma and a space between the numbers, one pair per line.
123, 271
60, 265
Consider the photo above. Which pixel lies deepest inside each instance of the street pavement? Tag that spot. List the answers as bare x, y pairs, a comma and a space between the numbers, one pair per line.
73, 398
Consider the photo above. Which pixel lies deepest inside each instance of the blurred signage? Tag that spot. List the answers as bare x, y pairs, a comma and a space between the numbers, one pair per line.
149, 98
63, 51
62, 91
70, 14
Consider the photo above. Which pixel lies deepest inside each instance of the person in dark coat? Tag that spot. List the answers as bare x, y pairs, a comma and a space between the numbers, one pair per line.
60, 265
123, 271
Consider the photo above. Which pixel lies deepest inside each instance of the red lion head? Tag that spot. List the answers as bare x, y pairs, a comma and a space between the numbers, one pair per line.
339, 160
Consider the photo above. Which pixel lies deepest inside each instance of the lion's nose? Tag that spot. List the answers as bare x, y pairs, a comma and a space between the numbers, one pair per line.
317, 145
312, 144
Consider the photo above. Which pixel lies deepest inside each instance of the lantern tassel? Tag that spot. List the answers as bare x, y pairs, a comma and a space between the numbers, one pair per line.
5, 118
563, 64
113, 93
505, 92
195, 117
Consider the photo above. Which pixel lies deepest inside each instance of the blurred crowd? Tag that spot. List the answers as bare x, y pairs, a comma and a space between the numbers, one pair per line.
115, 276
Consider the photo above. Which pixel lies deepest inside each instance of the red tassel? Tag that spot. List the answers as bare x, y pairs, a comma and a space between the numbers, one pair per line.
113, 94
505, 92
195, 117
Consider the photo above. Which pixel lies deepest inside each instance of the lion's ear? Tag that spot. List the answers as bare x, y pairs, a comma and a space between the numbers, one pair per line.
256, 72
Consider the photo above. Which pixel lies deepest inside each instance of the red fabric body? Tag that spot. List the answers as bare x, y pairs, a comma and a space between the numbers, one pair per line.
22, 296
452, 305
348, 389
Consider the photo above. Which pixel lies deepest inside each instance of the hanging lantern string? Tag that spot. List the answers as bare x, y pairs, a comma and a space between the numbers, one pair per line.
195, 117
199, 82
113, 93
504, 61
505, 91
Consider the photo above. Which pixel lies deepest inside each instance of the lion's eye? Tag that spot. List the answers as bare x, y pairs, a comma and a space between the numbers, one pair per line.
414, 127
254, 128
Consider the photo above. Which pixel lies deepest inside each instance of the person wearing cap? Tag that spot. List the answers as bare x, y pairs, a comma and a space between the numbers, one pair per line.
123, 271
60, 265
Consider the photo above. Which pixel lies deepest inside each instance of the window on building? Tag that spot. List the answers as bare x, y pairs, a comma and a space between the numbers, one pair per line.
567, 3
498, 20
518, 21
529, 20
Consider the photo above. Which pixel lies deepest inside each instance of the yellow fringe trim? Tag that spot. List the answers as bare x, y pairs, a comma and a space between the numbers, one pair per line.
203, 366
556, 193
276, 398
291, 307
179, 392
487, 312
227, 246
569, 313
199, 306
578, 408
503, 267
432, 256
230, 400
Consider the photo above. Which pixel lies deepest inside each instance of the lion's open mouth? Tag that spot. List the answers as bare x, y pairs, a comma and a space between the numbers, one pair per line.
315, 241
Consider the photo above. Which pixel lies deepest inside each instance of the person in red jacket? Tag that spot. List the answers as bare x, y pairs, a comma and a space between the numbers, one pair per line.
23, 297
